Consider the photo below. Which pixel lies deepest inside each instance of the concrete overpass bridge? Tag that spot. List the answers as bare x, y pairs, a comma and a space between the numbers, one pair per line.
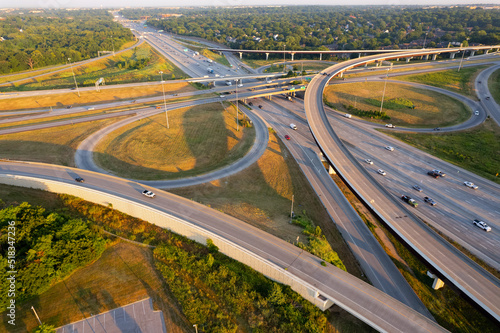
445, 260
433, 52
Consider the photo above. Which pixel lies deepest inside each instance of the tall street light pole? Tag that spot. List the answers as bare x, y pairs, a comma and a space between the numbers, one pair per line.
164, 100
74, 78
383, 94
425, 40
237, 120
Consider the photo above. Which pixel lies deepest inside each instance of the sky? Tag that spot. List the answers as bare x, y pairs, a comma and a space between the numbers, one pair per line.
173, 3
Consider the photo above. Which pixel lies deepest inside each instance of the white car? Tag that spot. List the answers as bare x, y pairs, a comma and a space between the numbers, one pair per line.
471, 185
476, 113
482, 225
389, 148
368, 161
390, 125
149, 194
347, 115
381, 172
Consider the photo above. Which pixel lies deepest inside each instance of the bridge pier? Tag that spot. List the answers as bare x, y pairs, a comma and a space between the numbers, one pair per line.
452, 55
241, 55
434, 56
487, 51
472, 52
341, 74
292, 55
408, 59
397, 59
426, 57
320, 56
267, 55
438, 283
331, 171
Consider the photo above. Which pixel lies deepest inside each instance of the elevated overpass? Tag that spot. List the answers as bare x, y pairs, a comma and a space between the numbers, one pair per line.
444, 259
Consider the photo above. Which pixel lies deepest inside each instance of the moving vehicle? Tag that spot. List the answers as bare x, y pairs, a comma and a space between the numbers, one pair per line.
390, 125
433, 174
430, 201
482, 225
471, 185
293, 126
148, 194
91, 108
409, 200
347, 115
389, 148
368, 161
439, 172
79, 179
418, 188
287, 137
69, 106
228, 83
476, 113
210, 70
381, 172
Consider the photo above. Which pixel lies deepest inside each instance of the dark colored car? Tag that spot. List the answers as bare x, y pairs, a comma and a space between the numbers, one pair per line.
250, 103
430, 201
79, 179
260, 106
69, 106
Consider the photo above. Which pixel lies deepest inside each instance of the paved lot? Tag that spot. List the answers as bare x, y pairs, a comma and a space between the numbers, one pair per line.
132, 318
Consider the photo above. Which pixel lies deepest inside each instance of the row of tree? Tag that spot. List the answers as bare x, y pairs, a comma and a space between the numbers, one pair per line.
34, 40
310, 27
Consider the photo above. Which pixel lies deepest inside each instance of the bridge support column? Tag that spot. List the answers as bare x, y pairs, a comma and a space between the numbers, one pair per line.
320, 56
322, 302
331, 171
487, 51
397, 59
267, 55
426, 57
408, 59
434, 56
292, 55
341, 74
452, 55
366, 65
322, 157
241, 55
472, 52
438, 283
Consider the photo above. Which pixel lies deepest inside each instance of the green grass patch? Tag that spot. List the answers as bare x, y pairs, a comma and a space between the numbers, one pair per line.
476, 150
200, 139
141, 64
494, 85
461, 82
220, 58
431, 108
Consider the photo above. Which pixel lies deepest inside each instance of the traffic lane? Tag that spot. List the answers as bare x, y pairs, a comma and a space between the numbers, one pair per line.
271, 248
375, 262
427, 244
483, 91
408, 169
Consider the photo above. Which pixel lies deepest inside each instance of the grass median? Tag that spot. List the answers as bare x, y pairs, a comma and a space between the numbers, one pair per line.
90, 97
403, 105
474, 149
199, 139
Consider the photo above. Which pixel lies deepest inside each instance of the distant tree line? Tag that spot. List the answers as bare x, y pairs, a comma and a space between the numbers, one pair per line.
48, 247
339, 27
50, 38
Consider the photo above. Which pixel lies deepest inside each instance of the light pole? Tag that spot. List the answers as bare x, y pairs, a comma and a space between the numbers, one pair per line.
237, 120
425, 40
74, 78
164, 100
463, 53
196, 327
383, 94
284, 60
113, 41
38, 318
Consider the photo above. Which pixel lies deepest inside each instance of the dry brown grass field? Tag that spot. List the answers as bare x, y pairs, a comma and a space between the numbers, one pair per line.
200, 139
51, 145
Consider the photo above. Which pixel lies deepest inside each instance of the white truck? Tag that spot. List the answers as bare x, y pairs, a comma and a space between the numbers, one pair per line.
293, 126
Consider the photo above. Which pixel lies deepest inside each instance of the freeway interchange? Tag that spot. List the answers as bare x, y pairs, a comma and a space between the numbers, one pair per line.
403, 165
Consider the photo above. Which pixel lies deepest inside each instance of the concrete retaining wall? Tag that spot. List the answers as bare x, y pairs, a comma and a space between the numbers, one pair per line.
178, 226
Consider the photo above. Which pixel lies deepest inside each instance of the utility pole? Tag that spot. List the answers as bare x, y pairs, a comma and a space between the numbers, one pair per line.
291, 210
196, 327
383, 94
74, 78
237, 121
113, 41
38, 318
164, 100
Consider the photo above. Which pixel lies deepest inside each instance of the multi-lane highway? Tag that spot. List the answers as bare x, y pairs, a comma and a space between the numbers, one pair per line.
475, 282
